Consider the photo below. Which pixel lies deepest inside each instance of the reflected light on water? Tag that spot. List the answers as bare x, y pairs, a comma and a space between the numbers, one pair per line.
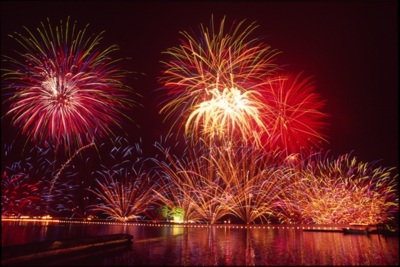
156, 244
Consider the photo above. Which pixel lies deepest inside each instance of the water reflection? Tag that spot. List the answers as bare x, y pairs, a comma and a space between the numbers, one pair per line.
220, 246
287, 247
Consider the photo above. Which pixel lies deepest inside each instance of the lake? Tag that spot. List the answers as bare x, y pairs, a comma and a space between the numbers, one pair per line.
217, 245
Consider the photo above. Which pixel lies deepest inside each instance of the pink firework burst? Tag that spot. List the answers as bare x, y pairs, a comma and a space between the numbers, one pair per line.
64, 88
294, 116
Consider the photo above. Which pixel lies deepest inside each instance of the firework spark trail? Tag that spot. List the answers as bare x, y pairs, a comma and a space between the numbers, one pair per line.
66, 164
63, 88
215, 60
339, 190
62, 189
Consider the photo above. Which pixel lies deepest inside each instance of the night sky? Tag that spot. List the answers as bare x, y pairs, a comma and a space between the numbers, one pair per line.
349, 47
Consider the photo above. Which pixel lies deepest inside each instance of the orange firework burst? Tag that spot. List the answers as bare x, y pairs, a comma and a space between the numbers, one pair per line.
339, 190
216, 60
226, 112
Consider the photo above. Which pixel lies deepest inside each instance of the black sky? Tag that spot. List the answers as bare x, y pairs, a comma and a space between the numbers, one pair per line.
349, 47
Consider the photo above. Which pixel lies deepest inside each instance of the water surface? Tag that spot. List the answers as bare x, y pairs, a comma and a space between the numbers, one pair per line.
218, 245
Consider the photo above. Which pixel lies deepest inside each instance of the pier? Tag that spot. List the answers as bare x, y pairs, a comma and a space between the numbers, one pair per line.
49, 250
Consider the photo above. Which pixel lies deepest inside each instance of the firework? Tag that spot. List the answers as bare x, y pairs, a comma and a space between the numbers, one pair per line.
209, 183
36, 186
341, 190
294, 117
124, 190
215, 60
190, 181
63, 88
252, 179
123, 197
23, 183
19, 196
228, 113
69, 193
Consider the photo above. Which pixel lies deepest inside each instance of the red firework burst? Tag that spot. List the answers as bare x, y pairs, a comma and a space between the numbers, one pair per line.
294, 116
